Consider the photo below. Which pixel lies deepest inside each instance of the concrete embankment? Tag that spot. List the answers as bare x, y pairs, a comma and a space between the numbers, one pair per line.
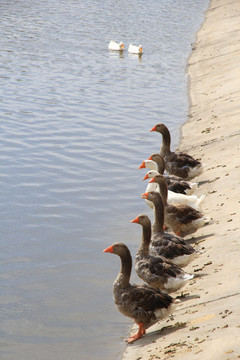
207, 324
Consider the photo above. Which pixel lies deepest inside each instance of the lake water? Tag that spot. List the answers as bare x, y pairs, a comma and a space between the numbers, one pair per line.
75, 121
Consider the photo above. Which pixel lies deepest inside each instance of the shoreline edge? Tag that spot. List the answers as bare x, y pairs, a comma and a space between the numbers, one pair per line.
207, 324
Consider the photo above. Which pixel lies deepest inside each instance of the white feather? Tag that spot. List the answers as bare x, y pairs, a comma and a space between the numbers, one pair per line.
174, 198
133, 49
174, 284
113, 45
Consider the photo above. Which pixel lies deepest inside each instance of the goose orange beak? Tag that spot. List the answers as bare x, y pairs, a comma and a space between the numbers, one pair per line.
146, 177
142, 166
154, 128
144, 195
152, 180
150, 157
109, 249
136, 220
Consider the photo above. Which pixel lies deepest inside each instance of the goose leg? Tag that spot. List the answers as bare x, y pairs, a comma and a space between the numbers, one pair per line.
178, 232
138, 335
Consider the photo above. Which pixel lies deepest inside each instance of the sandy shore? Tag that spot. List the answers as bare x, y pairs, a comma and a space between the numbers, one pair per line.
208, 326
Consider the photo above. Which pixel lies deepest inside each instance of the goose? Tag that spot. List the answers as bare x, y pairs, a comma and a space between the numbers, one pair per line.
181, 218
156, 270
133, 49
173, 198
177, 163
113, 45
175, 183
145, 305
170, 246
151, 186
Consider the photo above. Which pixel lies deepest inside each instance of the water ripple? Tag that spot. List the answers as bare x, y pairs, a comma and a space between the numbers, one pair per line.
75, 122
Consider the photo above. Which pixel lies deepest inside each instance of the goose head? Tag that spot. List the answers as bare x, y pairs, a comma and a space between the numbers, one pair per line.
119, 249
151, 196
150, 174
158, 178
159, 128
150, 164
157, 158
142, 220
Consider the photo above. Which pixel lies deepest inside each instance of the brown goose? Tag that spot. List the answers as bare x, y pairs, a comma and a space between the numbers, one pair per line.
156, 270
143, 304
177, 163
170, 246
181, 218
174, 183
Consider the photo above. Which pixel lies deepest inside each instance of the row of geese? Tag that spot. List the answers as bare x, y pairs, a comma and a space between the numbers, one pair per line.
132, 49
162, 254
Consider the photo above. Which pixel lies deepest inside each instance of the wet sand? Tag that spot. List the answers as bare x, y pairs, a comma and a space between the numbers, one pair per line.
207, 324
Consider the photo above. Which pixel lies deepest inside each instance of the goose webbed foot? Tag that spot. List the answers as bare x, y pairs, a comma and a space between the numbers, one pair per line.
138, 335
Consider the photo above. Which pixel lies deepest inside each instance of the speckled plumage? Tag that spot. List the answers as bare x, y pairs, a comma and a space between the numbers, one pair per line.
156, 270
181, 218
177, 163
174, 183
174, 248
169, 245
160, 273
143, 304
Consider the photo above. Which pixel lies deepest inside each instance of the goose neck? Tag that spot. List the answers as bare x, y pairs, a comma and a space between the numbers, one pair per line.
164, 190
123, 277
146, 238
158, 217
166, 142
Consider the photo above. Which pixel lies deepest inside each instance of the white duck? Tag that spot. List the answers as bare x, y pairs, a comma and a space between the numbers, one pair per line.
173, 198
113, 45
133, 49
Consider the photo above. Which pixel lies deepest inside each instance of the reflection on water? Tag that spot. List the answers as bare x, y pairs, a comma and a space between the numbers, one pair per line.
75, 122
